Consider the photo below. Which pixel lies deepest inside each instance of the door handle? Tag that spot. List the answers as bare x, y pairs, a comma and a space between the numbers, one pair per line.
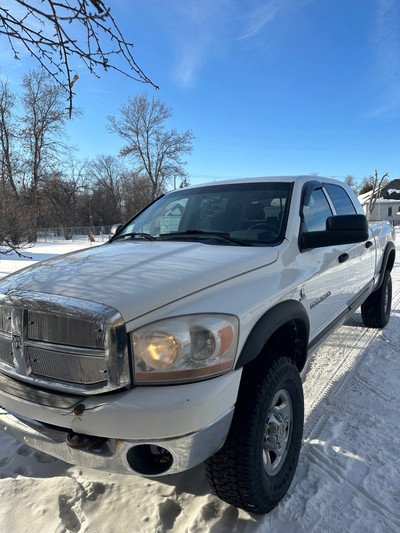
343, 257
368, 244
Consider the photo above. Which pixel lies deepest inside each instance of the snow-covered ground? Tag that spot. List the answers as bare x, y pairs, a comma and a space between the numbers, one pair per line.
348, 478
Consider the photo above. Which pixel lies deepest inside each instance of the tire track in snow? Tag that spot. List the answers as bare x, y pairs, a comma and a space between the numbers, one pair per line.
320, 460
329, 382
334, 367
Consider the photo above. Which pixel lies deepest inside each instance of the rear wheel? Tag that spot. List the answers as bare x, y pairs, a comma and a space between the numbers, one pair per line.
375, 311
254, 468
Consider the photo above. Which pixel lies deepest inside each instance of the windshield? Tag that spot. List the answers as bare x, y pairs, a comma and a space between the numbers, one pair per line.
247, 214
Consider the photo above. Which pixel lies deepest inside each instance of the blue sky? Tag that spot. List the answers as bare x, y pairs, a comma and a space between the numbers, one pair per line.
275, 87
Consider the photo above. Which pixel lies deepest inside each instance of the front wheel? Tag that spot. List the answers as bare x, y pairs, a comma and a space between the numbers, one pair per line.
256, 465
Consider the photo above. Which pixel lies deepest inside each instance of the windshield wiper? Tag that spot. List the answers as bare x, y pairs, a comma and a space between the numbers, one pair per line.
203, 233
146, 236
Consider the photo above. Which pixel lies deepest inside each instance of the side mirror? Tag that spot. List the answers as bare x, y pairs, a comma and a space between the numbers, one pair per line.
114, 229
340, 229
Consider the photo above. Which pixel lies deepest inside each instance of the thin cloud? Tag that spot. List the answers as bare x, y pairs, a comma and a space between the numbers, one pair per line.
387, 50
209, 27
387, 36
192, 60
200, 27
389, 104
262, 14
260, 17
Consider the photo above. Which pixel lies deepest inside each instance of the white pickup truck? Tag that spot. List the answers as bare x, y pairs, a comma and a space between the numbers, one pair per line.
182, 339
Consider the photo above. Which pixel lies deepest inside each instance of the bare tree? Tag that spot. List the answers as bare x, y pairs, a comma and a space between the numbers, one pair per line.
104, 173
367, 184
377, 184
8, 133
184, 183
15, 229
35, 186
137, 193
47, 29
351, 182
157, 151
15, 212
61, 194
42, 131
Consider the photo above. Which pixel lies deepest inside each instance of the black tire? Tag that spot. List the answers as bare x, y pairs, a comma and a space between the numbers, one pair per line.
246, 472
375, 311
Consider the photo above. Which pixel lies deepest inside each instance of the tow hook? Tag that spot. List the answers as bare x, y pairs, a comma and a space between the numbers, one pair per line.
78, 441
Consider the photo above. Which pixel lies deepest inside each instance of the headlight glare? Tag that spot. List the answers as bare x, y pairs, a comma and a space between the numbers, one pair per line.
160, 350
184, 348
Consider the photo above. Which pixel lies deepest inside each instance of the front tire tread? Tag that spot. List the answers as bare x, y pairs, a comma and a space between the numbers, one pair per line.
236, 472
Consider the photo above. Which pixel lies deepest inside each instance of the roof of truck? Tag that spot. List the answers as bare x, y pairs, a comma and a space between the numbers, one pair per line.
301, 178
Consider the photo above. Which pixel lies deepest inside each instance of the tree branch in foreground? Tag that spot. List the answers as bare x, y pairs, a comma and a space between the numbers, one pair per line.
47, 29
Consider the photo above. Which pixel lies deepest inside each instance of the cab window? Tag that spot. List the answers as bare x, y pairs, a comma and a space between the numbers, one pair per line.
340, 199
317, 211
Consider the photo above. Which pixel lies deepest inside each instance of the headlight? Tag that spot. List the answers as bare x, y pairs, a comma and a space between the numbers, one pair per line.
184, 348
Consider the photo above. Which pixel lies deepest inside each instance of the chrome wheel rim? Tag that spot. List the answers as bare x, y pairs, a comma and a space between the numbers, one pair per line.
278, 432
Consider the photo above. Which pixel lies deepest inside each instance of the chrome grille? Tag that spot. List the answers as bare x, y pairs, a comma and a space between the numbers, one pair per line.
6, 355
71, 367
49, 327
5, 319
62, 343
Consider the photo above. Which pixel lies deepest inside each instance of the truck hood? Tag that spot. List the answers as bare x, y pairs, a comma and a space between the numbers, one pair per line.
138, 277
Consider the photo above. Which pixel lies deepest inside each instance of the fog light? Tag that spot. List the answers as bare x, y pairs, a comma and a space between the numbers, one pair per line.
149, 460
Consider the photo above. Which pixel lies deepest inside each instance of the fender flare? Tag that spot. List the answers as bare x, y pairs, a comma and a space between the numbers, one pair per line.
387, 262
269, 323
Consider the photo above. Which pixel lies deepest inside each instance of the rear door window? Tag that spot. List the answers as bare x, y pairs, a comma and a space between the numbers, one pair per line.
340, 199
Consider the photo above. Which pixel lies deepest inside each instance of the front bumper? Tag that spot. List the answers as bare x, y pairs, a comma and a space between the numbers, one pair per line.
189, 421
123, 456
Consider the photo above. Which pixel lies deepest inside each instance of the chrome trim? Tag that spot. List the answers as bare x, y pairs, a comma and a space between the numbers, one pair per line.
26, 305
187, 451
18, 336
6, 355
5, 319
73, 350
33, 394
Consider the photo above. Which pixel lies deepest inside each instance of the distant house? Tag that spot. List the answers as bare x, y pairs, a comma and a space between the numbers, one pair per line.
387, 206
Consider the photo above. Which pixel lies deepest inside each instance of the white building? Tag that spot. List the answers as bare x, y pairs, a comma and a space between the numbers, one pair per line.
387, 206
